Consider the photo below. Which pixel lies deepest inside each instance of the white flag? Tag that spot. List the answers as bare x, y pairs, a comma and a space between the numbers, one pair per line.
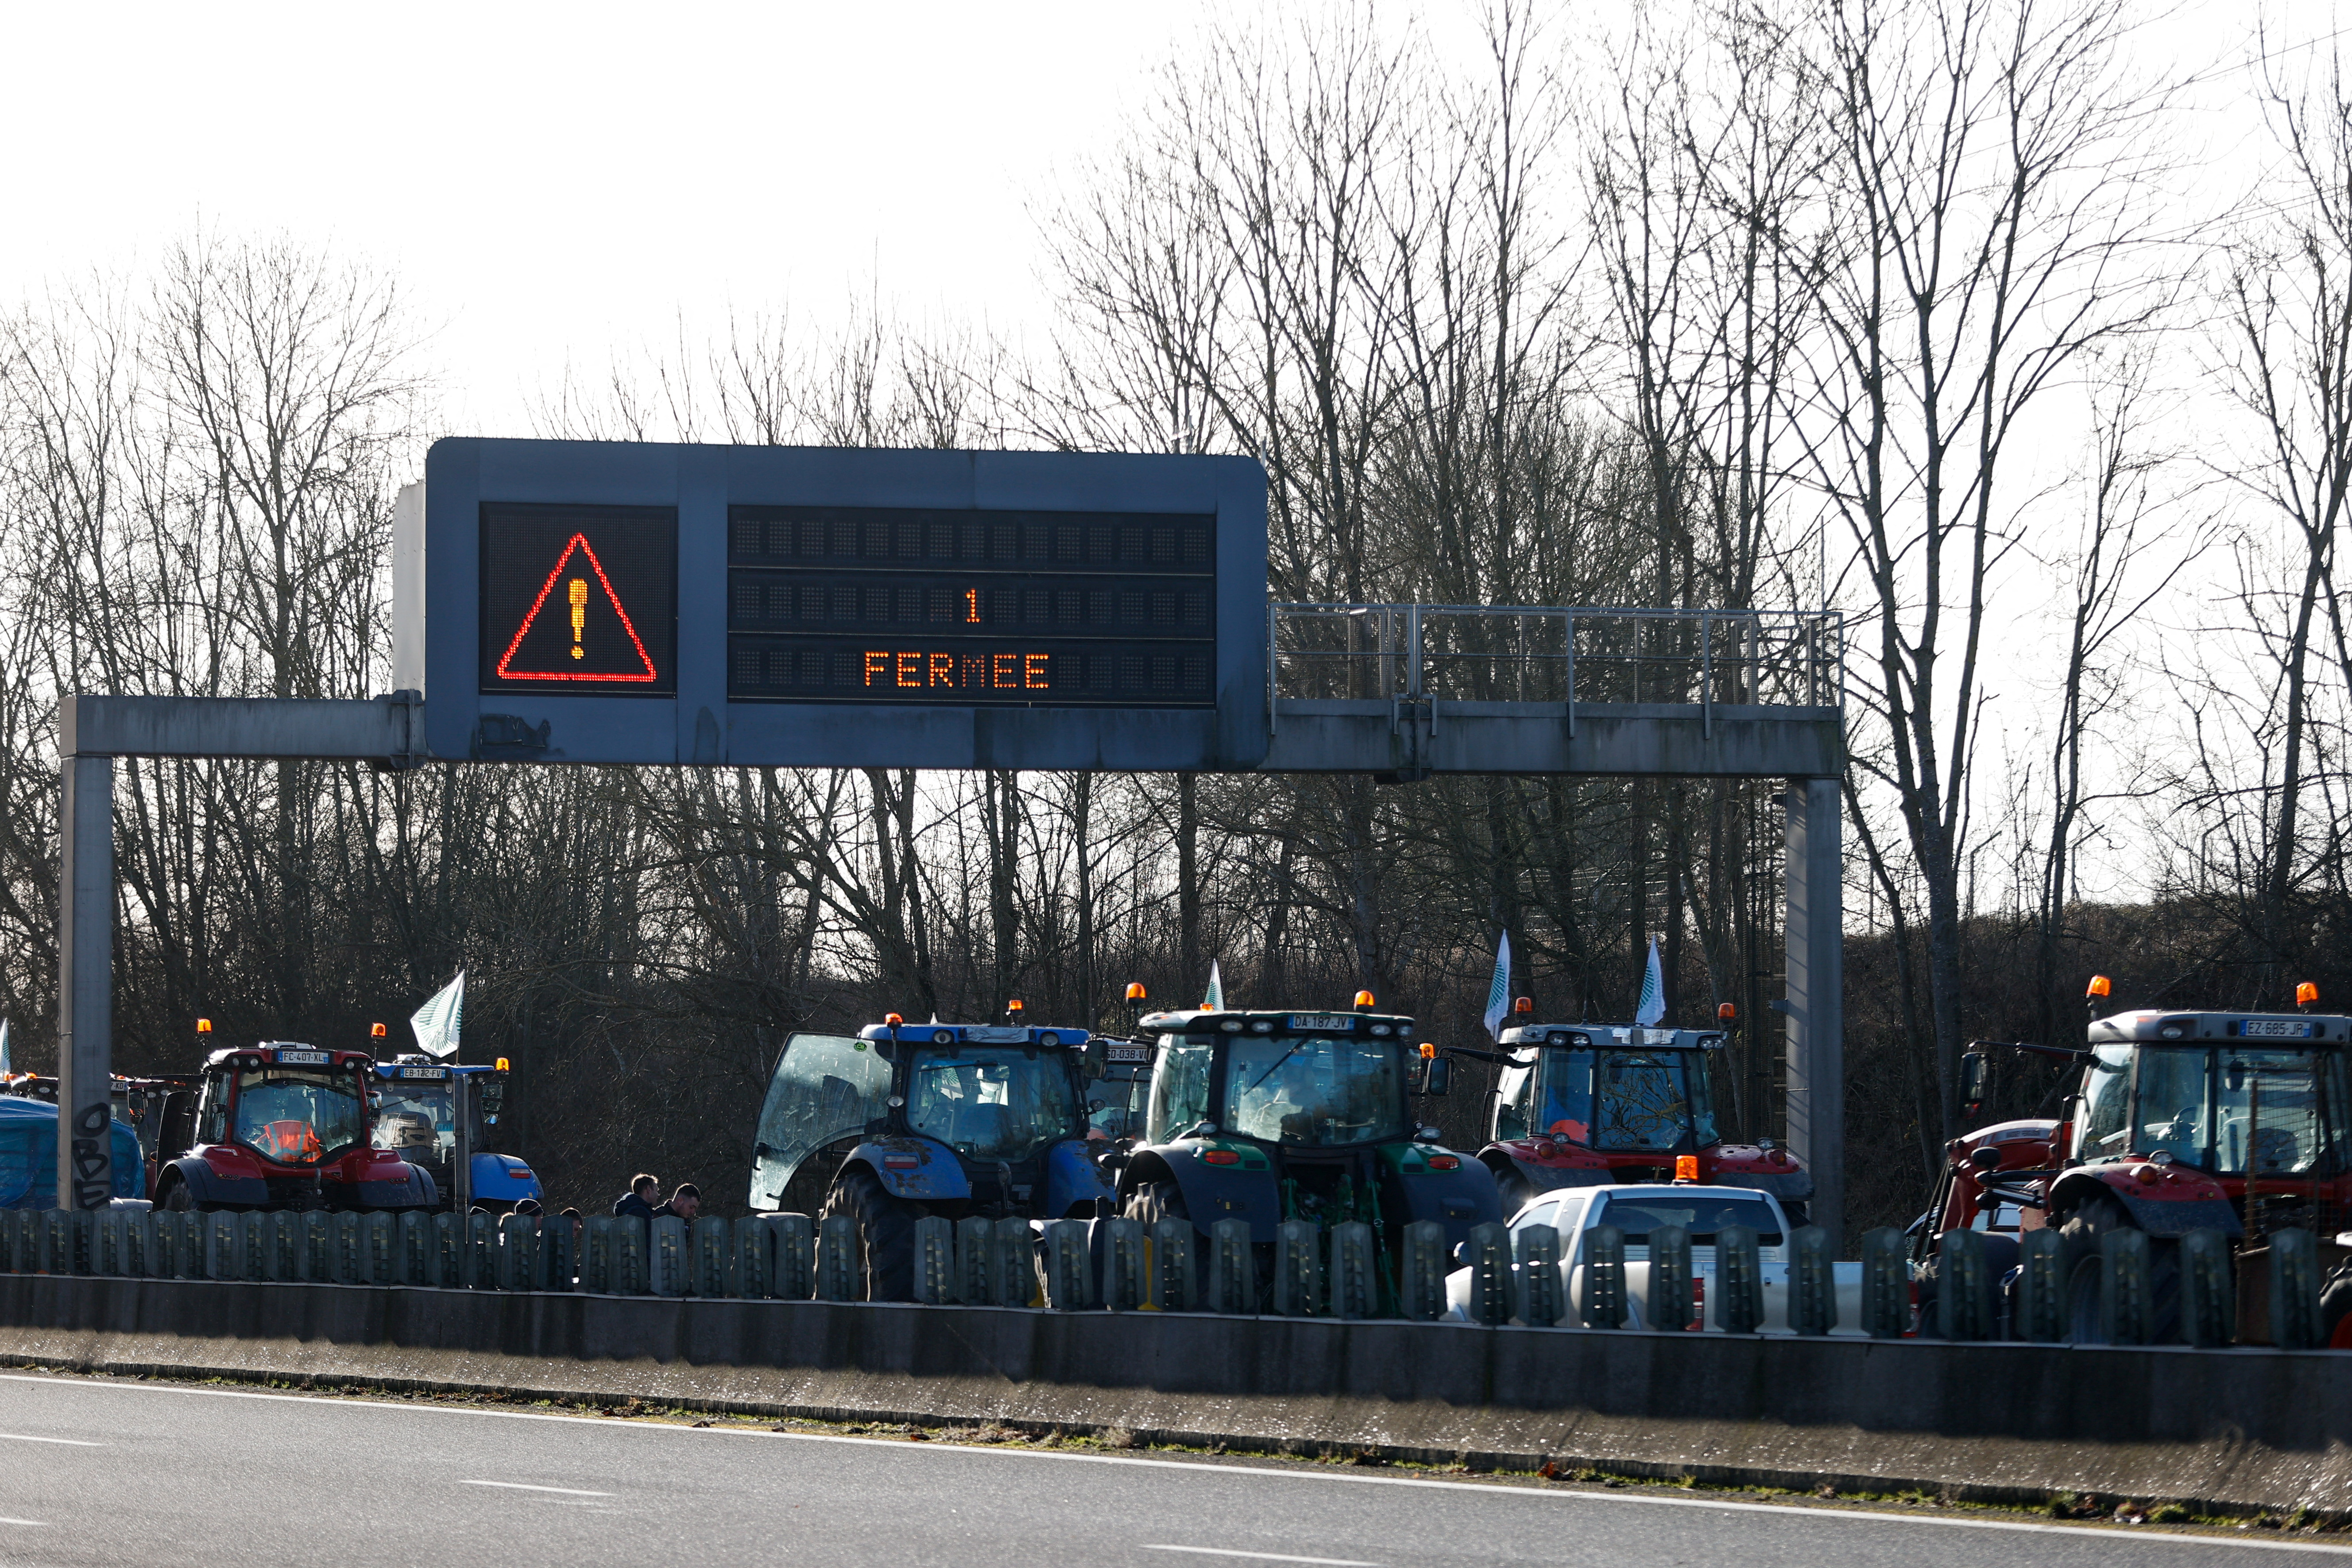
438, 1021
1653, 1006
1498, 992
1215, 1002
7, 1066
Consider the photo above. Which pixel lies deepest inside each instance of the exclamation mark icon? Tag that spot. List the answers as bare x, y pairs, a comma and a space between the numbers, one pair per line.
579, 591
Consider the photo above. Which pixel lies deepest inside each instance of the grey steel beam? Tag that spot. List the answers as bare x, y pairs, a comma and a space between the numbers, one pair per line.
86, 985
382, 728
1813, 937
1440, 737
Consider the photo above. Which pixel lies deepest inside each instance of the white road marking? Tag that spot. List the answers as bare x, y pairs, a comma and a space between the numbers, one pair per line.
28, 1437
1264, 1556
1561, 1495
526, 1487
34, 1523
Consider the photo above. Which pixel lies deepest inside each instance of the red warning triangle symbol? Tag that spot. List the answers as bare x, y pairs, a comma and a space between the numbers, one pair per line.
583, 635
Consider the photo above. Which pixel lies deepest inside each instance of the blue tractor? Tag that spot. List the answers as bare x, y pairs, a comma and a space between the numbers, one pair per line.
1270, 1116
437, 1116
906, 1120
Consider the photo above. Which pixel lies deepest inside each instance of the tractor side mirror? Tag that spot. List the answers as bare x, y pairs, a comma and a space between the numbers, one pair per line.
1984, 1159
1094, 1061
1972, 1081
1437, 1075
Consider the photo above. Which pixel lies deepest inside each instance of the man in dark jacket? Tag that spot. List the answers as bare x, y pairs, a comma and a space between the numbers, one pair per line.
640, 1199
685, 1203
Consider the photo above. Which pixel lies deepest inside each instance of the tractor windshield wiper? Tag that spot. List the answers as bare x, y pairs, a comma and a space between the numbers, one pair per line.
1276, 1063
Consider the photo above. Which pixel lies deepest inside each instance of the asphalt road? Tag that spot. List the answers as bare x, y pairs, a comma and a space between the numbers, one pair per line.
101, 1471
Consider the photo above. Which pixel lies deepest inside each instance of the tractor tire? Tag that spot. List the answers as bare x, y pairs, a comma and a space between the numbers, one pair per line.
886, 1232
2335, 1308
1155, 1201
1514, 1189
2079, 1267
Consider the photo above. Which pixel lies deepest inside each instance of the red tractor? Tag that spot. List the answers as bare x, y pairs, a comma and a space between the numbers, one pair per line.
1587, 1104
2179, 1120
281, 1126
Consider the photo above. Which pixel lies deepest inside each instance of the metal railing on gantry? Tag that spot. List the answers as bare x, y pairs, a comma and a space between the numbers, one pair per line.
1567, 655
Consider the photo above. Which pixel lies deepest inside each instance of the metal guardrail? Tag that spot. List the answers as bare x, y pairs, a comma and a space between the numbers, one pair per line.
1119, 1264
1555, 654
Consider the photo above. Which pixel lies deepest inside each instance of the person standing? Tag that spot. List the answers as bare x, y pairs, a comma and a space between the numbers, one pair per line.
685, 1203
638, 1199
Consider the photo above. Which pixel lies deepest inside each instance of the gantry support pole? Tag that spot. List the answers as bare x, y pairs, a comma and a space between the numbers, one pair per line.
86, 983
1814, 933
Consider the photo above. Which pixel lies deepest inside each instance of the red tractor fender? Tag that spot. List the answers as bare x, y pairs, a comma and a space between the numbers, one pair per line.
2162, 1200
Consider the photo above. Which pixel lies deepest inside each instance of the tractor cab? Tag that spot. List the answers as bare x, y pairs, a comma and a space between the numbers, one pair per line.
281, 1126
902, 1120
1587, 1104
440, 1116
1271, 1116
2173, 1117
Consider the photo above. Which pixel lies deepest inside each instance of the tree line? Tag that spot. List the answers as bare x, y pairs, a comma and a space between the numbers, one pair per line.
1898, 308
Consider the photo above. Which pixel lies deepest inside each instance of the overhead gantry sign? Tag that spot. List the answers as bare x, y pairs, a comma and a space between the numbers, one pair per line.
771, 607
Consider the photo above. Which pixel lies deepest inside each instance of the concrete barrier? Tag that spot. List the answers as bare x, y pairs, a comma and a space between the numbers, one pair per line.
2222, 1430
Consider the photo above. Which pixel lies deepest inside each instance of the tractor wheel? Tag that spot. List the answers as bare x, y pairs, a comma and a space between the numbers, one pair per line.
1155, 1201
2079, 1266
2335, 1308
1514, 1189
886, 1232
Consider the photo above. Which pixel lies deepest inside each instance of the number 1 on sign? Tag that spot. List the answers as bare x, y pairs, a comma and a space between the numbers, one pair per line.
972, 606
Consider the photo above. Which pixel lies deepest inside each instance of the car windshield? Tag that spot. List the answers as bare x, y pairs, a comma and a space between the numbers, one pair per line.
298, 1116
1655, 1101
992, 1102
1315, 1089
2229, 1110
417, 1119
1700, 1213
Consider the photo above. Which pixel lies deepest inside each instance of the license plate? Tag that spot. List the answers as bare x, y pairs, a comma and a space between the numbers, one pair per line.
303, 1058
2275, 1029
1322, 1021
425, 1072
1127, 1053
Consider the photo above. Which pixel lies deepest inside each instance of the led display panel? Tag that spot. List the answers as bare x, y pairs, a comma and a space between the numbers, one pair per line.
971, 608
578, 600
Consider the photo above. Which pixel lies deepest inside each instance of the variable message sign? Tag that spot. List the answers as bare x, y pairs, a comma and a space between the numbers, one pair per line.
602, 602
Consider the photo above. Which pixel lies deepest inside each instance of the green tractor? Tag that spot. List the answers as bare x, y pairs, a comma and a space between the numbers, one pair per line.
1266, 1117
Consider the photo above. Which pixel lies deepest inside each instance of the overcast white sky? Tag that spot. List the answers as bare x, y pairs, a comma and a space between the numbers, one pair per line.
547, 179
552, 182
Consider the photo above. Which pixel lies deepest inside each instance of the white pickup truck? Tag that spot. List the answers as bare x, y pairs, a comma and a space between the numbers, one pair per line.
1635, 1209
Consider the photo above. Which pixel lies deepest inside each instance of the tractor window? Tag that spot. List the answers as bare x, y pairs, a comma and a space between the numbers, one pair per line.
211, 1118
295, 1116
418, 1119
1180, 1089
1314, 1090
2271, 1120
2106, 1086
1567, 1108
1514, 1090
994, 1102
826, 1088
2173, 1104
1653, 1100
